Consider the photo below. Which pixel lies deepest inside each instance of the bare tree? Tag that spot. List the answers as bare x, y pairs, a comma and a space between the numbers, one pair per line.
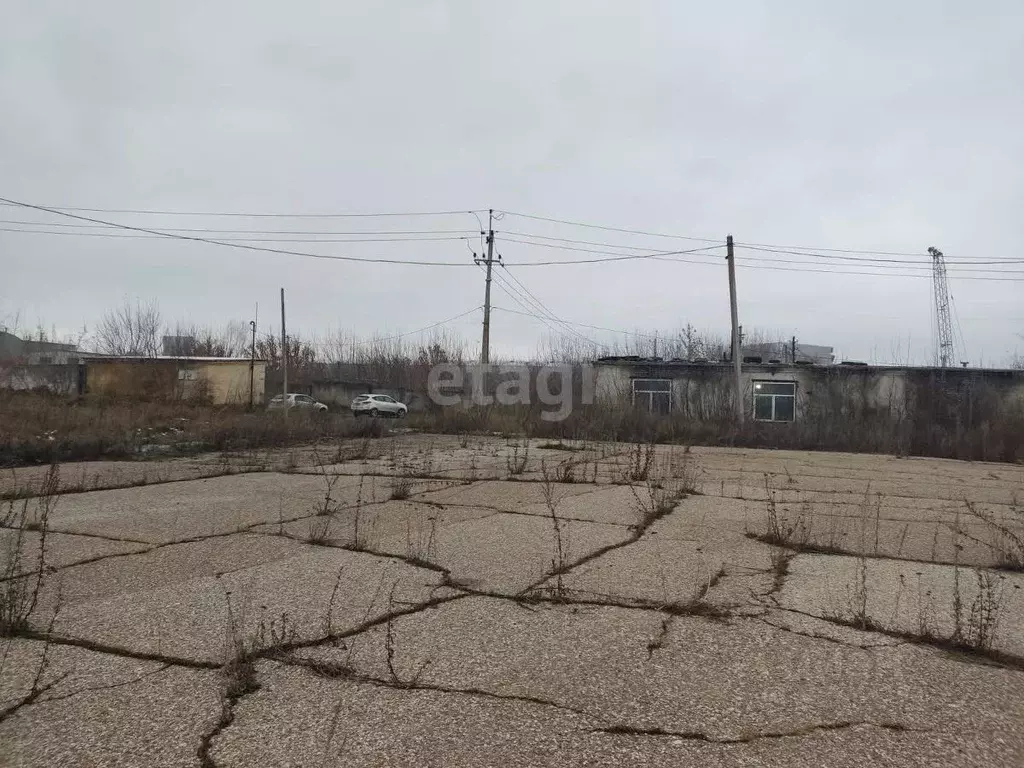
131, 329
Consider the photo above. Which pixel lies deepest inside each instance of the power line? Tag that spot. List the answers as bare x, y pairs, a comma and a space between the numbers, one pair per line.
572, 240
705, 239
524, 291
418, 330
613, 257
585, 325
112, 236
533, 314
608, 229
755, 265
917, 262
56, 208
258, 231
227, 244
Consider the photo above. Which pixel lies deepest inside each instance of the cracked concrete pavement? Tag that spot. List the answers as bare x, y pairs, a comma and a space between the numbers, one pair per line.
417, 601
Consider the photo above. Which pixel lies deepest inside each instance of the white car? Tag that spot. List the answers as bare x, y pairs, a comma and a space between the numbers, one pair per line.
295, 400
378, 405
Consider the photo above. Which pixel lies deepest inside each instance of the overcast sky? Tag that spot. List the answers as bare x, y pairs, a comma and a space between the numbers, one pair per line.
881, 127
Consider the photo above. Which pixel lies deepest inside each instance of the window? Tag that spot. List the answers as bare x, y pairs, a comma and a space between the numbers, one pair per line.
774, 400
188, 374
655, 395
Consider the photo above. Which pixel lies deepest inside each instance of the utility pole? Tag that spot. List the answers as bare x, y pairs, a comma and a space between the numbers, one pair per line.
736, 353
284, 353
485, 346
252, 357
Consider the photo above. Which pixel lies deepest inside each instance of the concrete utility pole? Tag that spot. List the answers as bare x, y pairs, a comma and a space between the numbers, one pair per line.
736, 351
252, 358
485, 345
284, 353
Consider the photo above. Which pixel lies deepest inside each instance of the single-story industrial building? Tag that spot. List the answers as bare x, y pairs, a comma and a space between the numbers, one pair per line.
217, 380
785, 392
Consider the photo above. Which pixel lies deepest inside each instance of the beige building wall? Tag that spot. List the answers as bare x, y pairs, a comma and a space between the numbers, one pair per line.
227, 382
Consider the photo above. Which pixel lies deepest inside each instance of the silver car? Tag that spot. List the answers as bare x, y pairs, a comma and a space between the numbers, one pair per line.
378, 405
295, 400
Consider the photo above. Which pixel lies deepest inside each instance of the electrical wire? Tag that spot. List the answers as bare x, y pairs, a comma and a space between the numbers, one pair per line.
257, 231
585, 325
609, 229
706, 239
614, 257
418, 330
227, 244
917, 262
528, 313
248, 215
755, 265
248, 239
541, 307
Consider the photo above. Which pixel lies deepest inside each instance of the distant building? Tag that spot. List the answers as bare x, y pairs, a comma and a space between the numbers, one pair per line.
787, 393
17, 351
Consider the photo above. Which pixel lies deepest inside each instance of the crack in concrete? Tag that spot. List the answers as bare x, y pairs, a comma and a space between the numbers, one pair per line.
627, 730
109, 686
350, 675
113, 650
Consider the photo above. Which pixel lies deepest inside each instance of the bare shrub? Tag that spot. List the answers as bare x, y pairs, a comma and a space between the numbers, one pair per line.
640, 461
560, 558
23, 574
1006, 544
401, 488
420, 543
779, 531
517, 460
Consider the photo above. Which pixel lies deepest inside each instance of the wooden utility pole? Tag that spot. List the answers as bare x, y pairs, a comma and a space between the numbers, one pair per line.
736, 350
284, 354
485, 344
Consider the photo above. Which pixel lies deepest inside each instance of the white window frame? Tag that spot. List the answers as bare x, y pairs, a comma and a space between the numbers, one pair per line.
759, 384
647, 393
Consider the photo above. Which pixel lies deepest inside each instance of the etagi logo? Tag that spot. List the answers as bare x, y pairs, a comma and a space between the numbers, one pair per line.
513, 385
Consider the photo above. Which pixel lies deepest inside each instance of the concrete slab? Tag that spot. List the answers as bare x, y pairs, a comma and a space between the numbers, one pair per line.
177, 511
61, 550
190, 619
739, 682
106, 710
913, 598
507, 553
164, 567
365, 526
97, 475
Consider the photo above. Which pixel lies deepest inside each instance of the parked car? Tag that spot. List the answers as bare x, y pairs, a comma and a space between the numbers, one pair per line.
294, 400
378, 405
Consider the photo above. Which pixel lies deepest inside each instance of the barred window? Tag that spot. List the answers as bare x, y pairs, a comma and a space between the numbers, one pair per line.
774, 400
654, 395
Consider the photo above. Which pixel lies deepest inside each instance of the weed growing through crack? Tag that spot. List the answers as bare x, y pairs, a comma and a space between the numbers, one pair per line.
401, 489
560, 558
639, 464
1006, 544
517, 460
779, 531
22, 574
420, 544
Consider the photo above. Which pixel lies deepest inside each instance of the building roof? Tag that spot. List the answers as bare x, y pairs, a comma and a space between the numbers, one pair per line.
846, 365
180, 359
